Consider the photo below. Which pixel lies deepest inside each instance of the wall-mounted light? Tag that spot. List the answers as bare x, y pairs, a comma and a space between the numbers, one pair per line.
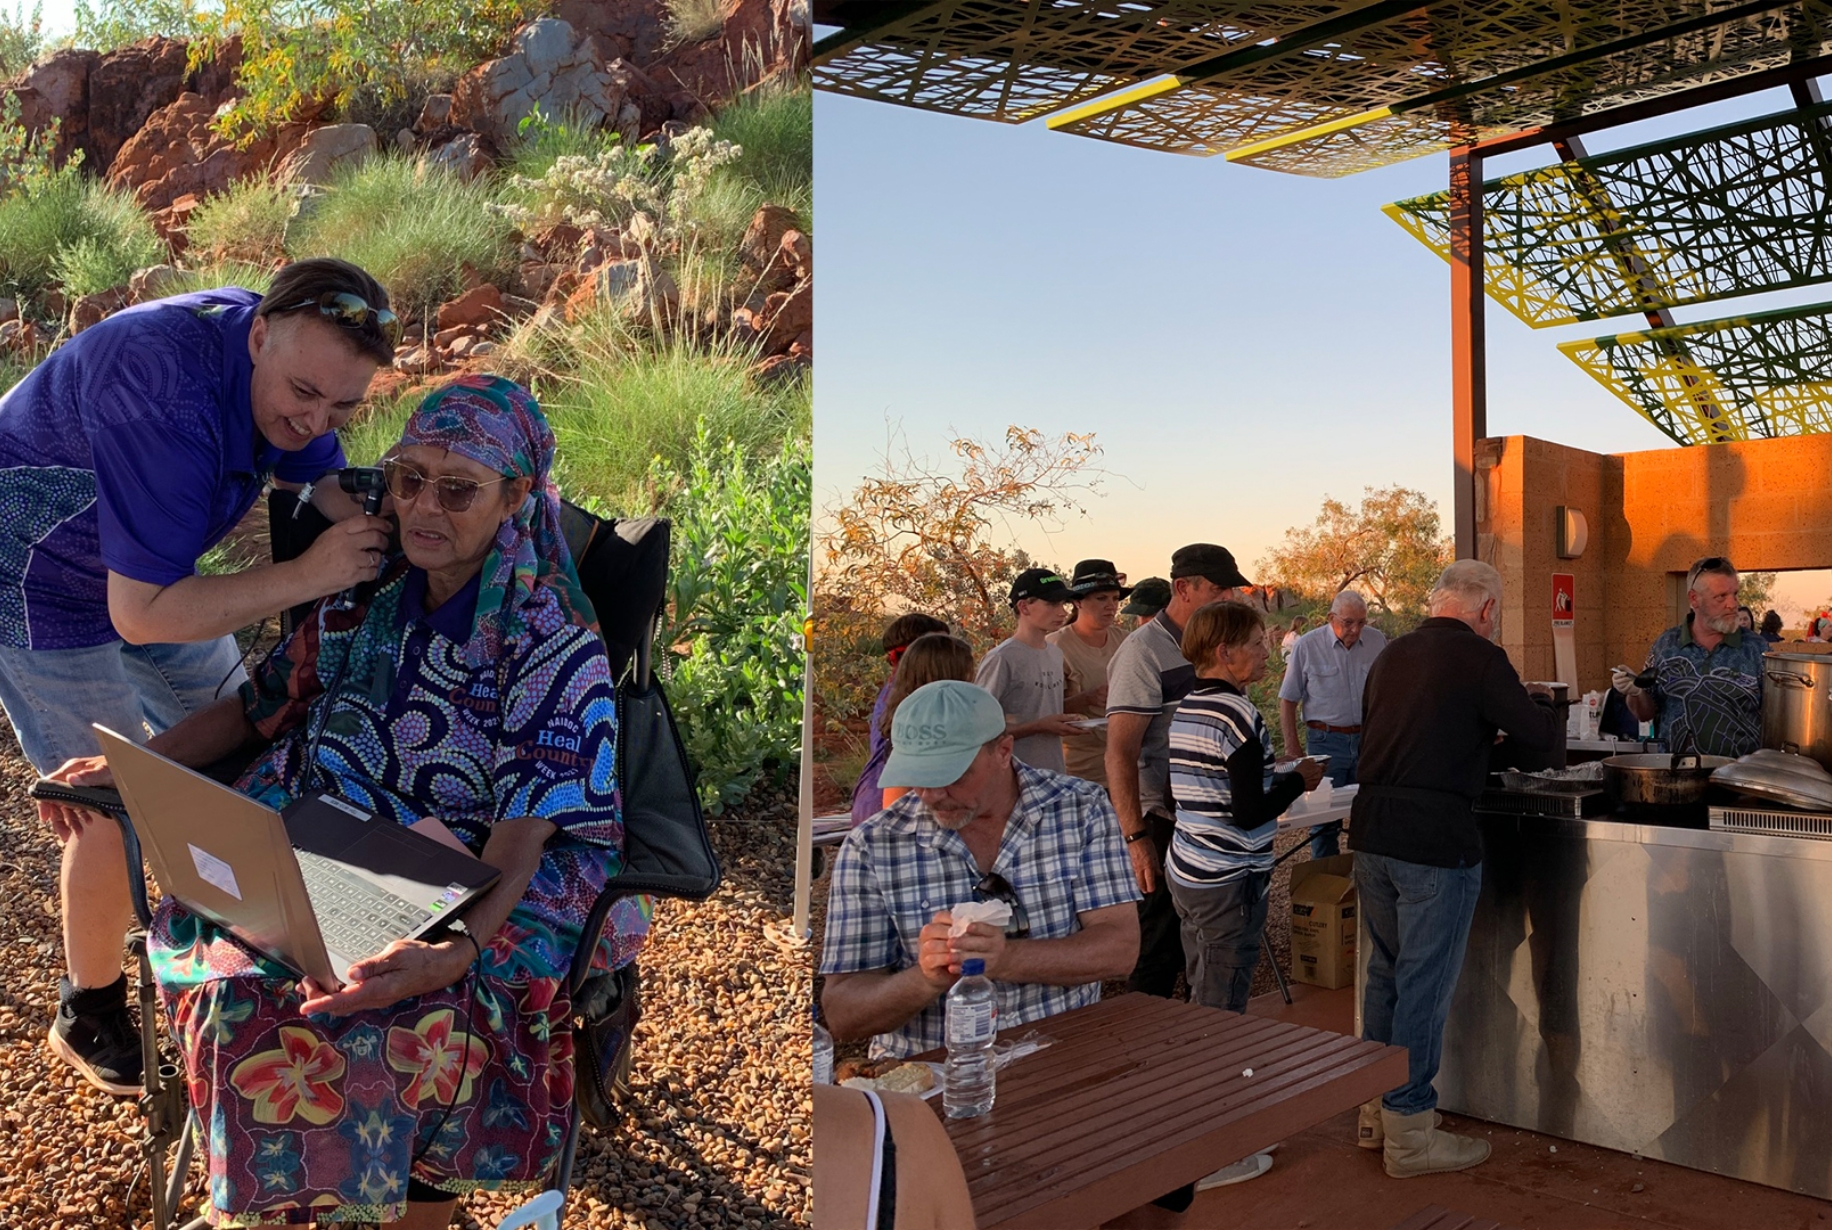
1573, 532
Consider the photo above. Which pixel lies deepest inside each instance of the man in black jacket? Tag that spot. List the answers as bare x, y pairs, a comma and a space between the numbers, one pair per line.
1433, 705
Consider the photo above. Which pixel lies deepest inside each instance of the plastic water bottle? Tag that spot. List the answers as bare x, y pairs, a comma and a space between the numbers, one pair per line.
823, 1052
973, 1020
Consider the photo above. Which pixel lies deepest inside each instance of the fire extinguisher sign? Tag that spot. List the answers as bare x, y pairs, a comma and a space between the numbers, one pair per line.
1564, 599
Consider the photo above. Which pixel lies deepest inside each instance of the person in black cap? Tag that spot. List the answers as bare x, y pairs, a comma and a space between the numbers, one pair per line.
1087, 646
1025, 671
1148, 598
1145, 681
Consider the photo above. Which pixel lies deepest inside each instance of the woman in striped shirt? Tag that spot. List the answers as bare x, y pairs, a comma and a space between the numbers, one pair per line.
1228, 803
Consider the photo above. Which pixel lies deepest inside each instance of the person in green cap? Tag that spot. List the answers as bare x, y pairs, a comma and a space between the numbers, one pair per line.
977, 825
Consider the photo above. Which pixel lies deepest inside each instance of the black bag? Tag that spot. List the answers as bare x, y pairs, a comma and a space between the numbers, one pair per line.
607, 1011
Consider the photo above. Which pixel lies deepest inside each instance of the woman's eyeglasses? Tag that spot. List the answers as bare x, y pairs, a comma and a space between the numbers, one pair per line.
455, 494
352, 312
996, 886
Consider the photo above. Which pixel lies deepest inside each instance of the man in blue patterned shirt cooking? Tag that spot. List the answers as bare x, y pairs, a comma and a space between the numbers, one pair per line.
976, 826
1702, 684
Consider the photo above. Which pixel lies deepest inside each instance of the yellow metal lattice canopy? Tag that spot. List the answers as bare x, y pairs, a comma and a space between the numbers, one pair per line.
1734, 210
1768, 374
1013, 60
1311, 88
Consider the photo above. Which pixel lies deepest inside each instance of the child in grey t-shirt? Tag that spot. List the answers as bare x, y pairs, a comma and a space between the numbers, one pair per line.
1025, 672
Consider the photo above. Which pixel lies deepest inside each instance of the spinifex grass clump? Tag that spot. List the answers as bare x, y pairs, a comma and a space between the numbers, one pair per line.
623, 402
774, 125
415, 229
77, 232
248, 222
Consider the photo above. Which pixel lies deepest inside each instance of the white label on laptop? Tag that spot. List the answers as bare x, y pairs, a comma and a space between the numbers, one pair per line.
215, 871
342, 806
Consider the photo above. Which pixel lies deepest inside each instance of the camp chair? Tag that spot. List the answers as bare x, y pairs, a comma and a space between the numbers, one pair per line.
623, 569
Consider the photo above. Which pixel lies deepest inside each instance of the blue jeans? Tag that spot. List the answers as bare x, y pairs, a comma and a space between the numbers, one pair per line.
52, 695
1418, 925
1343, 751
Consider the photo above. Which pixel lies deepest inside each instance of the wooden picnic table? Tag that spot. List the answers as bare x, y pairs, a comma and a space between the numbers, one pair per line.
1137, 1096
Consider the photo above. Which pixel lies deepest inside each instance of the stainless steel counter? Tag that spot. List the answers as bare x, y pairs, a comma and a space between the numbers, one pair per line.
1664, 992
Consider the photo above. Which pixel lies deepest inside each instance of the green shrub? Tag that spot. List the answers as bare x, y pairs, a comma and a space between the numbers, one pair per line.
26, 158
542, 139
355, 53
616, 406
246, 223
22, 38
414, 229
774, 125
70, 226
119, 23
738, 595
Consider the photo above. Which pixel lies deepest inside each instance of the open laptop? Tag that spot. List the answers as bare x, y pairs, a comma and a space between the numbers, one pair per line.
317, 887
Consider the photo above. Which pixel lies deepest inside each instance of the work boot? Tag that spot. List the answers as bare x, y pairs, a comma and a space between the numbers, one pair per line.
1368, 1132
94, 1034
1415, 1146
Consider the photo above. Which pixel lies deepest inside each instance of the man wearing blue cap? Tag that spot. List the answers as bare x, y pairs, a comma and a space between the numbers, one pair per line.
975, 826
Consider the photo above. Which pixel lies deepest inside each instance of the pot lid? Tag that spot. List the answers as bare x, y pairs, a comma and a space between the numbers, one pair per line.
1780, 778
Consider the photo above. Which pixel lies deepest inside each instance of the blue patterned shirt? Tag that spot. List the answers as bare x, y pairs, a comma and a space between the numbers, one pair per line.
1061, 853
1716, 697
131, 449
410, 730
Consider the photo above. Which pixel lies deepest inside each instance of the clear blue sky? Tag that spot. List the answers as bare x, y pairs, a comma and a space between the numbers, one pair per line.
1242, 342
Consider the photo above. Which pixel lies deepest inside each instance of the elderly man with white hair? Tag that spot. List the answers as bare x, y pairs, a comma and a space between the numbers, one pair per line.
1326, 673
1435, 701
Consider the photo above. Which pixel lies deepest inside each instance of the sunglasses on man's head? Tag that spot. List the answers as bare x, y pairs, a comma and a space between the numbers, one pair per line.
351, 312
996, 886
453, 493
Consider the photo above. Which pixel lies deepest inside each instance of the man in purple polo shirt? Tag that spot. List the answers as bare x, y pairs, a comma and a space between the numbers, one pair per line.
124, 456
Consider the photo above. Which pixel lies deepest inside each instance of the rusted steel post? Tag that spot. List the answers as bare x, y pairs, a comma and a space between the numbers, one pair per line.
1468, 346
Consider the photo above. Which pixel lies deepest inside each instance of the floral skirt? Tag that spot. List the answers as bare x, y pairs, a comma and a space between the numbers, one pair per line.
325, 1118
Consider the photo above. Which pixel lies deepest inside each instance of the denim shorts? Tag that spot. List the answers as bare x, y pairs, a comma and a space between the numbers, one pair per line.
52, 695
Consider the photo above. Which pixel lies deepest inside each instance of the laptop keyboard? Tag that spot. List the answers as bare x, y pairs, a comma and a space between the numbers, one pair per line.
357, 917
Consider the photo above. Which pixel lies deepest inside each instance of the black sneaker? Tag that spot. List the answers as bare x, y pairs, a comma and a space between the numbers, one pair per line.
94, 1034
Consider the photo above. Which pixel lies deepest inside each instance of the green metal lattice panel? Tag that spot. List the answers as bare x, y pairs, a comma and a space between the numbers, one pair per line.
1733, 210
1764, 375
1012, 60
1423, 80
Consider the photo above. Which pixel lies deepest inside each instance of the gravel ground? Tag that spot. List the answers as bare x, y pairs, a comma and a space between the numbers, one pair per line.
716, 1134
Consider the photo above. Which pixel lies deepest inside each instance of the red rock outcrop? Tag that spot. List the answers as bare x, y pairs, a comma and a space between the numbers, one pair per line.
176, 153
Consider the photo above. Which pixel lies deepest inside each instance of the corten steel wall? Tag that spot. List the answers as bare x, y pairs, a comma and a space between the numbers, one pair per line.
1520, 481
1767, 504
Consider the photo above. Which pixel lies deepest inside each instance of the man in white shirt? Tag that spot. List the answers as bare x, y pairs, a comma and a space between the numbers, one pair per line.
1327, 673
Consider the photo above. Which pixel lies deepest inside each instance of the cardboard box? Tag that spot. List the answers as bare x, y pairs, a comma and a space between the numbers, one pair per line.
1323, 921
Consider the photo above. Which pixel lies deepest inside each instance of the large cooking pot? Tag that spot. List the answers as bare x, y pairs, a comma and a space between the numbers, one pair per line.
1659, 779
1797, 704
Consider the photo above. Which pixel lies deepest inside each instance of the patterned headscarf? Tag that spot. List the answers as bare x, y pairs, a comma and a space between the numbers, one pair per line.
498, 423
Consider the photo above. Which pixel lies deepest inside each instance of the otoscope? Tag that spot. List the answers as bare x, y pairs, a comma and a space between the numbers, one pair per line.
367, 482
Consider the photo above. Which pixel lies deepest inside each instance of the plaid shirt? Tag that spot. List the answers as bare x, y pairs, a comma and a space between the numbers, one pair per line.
1061, 853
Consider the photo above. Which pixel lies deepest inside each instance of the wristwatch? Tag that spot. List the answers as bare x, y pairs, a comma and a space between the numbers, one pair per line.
1141, 835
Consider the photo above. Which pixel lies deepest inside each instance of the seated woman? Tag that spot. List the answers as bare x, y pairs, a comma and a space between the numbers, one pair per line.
471, 687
